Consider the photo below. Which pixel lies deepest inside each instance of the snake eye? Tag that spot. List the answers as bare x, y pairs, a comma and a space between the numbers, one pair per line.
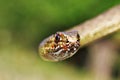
57, 38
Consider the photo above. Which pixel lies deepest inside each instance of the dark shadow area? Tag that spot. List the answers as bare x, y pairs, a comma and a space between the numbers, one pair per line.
79, 59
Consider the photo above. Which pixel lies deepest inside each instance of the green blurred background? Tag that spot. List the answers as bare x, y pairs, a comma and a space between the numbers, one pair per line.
25, 23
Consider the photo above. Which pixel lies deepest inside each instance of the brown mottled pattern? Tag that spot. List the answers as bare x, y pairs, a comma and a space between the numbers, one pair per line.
60, 46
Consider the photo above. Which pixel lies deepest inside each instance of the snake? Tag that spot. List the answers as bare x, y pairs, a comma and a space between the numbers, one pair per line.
63, 45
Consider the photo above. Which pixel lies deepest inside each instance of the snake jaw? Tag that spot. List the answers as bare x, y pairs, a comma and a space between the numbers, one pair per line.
60, 46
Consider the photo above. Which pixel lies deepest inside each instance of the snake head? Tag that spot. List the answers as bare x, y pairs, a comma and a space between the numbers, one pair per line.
59, 46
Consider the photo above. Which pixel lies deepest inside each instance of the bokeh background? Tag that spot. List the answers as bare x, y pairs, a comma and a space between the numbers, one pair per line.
25, 23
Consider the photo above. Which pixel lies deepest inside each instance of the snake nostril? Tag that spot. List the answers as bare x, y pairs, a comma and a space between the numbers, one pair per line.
78, 37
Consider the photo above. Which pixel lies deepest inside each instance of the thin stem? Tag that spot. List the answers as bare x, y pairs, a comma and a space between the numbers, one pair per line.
100, 26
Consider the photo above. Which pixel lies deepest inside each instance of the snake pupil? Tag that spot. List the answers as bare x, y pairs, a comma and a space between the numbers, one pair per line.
57, 38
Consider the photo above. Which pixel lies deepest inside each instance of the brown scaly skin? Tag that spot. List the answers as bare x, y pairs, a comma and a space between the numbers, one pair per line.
60, 46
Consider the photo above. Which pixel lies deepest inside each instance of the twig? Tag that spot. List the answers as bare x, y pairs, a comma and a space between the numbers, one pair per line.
101, 59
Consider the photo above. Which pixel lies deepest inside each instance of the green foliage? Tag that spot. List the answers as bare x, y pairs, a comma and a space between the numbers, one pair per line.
30, 21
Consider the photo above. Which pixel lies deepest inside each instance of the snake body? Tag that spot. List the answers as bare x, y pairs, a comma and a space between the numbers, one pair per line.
63, 45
